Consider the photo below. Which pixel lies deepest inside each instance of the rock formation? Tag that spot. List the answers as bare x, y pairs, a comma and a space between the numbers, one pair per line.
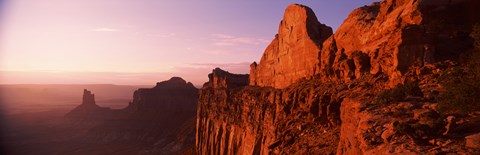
257, 120
294, 52
159, 120
317, 93
386, 37
223, 79
393, 35
174, 97
88, 98
89, 110
157, 115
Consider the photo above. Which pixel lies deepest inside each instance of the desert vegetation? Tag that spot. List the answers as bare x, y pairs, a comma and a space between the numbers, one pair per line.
462, 83
399, 93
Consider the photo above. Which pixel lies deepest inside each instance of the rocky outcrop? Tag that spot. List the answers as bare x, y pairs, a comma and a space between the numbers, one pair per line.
150, 121
329, 117
386, 37
174, 97
255, 120
294, 52
90, 111
338, 100
159, 120
391, 36
88, 98
223, 79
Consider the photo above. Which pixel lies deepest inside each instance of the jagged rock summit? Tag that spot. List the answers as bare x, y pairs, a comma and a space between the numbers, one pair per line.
162, 117
393, 35
223, 79
88, 98
371, 88
159, 120
89, 110
387, 37
294, 52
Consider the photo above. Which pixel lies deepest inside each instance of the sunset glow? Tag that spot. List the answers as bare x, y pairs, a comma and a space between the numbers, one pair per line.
140, 42
222, 77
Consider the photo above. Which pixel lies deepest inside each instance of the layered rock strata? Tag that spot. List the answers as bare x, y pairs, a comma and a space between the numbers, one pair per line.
256, 120
391, 36
294, 52
335, 101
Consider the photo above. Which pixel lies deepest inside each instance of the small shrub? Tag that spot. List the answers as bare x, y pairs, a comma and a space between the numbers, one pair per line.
418, 132
403, 128
391, 95
460, 98
462, 94
476, 35
432, 119
399, 92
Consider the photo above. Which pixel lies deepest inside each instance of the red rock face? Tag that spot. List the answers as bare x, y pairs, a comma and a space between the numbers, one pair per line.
294, 52
255, 120
386, 37
223, 79
334, 111
393, 35
386, 33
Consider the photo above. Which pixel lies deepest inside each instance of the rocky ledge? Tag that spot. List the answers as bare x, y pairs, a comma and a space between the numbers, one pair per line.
371, 88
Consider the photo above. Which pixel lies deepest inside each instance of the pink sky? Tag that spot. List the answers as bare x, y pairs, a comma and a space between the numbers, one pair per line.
140, 42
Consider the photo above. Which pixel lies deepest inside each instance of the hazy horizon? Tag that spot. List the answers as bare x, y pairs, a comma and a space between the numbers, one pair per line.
94, 77
140, 42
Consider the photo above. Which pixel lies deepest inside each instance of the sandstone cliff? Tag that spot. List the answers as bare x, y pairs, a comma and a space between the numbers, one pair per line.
386, 37
223, 79
371, 88
256, 120
393, 35
294, 52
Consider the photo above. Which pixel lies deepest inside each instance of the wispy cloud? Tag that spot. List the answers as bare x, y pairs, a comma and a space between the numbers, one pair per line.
241, 66
167, 35
157, 35
104, 29
223, 36
229, 40
218, 52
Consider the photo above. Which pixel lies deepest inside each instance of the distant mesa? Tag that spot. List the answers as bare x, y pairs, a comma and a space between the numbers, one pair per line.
174, 82
154, 117
89, 110
173, 95
88, 98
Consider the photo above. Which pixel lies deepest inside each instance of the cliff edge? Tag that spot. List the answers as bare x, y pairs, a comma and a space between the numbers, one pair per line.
376, 86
